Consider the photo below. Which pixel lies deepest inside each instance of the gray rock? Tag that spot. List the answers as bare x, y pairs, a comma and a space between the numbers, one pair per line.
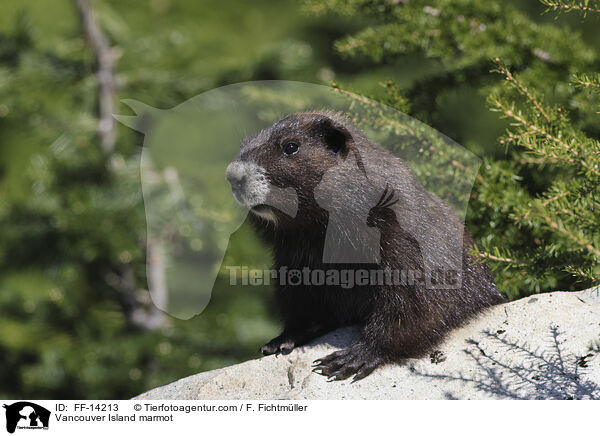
544, 346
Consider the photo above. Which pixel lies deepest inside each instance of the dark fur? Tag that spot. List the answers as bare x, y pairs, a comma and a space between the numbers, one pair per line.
396, 322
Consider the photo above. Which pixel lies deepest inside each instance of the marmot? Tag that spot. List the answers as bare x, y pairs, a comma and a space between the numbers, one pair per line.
338, 174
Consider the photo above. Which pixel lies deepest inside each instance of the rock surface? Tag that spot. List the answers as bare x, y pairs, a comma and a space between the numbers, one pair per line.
543, 346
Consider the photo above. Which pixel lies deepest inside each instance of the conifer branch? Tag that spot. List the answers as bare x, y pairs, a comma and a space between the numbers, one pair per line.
591, 274
577, 240
544, 203
500, 68
517, 137
489, 256
570, 154
587, 81
569, 6
475, 251
510, 112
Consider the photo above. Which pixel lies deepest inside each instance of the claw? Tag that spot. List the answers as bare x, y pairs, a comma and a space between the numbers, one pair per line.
356, 362
364, 371
279, 345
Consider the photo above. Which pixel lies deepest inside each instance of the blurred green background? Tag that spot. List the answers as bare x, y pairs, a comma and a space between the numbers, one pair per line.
72, 254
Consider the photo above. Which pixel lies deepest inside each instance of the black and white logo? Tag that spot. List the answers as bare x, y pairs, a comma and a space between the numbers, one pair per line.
26, 415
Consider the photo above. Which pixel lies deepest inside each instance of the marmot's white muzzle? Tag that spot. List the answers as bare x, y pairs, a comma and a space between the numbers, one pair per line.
248, 183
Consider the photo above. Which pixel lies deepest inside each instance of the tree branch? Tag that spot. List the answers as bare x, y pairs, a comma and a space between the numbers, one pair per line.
138, 314
508, 75
568, 6
105, 59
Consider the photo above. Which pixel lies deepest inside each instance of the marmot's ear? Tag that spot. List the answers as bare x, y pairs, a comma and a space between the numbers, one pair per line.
334, 135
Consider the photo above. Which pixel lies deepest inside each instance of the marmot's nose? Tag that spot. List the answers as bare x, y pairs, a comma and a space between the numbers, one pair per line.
236, 176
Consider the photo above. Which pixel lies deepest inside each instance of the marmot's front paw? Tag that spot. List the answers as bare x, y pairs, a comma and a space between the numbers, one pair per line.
354, 361
281, 344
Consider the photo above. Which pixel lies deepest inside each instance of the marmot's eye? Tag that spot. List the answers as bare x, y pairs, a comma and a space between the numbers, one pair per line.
291, 148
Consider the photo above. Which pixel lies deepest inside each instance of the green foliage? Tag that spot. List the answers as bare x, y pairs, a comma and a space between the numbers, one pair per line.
582, 6
566, 212
535, 209
72, 223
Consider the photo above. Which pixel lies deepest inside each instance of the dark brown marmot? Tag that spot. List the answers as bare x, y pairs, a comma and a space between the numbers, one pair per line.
350, 192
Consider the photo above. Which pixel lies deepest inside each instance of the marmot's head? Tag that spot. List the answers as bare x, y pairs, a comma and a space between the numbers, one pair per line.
295, 152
